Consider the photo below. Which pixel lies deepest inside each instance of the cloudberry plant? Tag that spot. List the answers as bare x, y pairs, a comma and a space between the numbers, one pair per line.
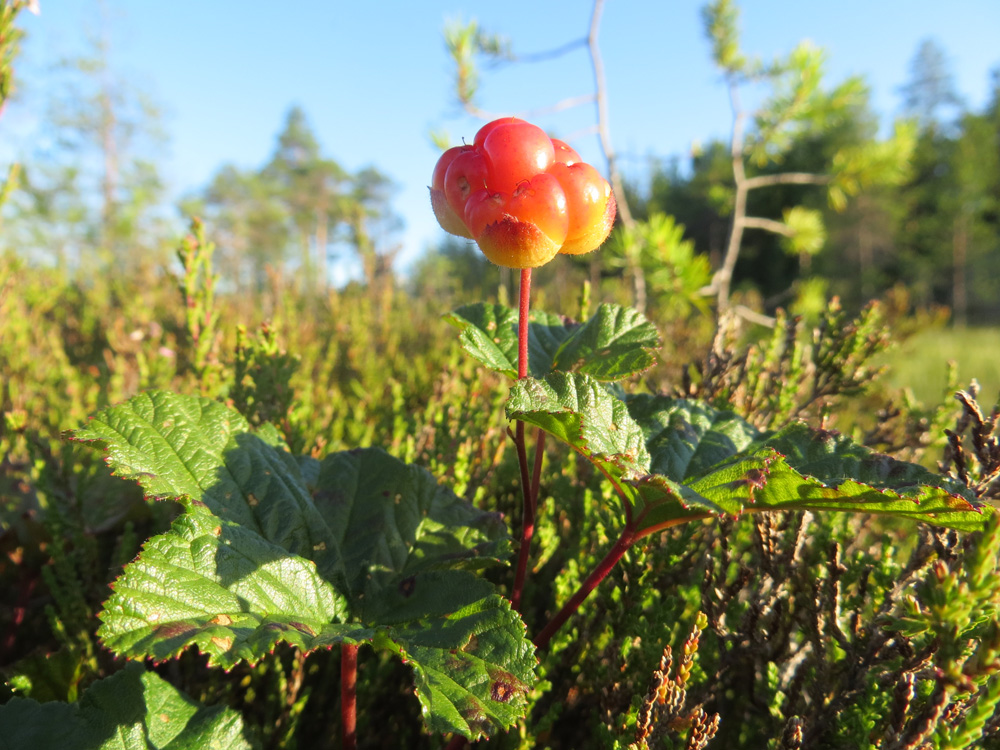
272, 556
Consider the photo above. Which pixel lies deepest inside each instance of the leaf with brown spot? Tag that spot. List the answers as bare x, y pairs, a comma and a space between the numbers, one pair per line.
359, 547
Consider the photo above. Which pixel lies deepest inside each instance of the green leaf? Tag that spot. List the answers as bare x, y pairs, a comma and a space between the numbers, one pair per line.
580, 412
800, 468
685, 438
195, 448
807, 233
131, 710
489, 333
394, 523
477, 684
224, 588
365, 549
615, 343
648, 452
546, 335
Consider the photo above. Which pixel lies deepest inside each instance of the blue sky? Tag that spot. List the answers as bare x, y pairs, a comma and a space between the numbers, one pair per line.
374, 77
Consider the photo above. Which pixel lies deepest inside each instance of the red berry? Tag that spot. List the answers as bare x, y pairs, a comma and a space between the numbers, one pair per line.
522, 196
516, 152
590, 203
523, 229
441, 168
466, 174
565, 153
446, 216
449, 220
486, 129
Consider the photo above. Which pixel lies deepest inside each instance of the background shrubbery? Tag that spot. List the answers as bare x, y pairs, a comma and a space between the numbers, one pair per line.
816, 632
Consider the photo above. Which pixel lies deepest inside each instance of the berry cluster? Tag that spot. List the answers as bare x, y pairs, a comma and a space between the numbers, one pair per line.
522, 196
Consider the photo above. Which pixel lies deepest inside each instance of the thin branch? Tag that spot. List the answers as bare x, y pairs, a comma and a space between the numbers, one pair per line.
603, 129
754, 317
551, 54
787, 178
480, 114
604, 132
560, 106
769, 225
724, 276
599, 98
567, 103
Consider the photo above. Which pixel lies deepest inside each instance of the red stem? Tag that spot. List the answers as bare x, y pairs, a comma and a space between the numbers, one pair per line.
522, 324
529, 482
599, 574
348, 695
536, 475
530, 507
528, 520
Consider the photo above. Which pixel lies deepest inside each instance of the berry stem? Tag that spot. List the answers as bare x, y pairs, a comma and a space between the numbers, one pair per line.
348, 695
522, 324
528, 484
536, 475
597, 575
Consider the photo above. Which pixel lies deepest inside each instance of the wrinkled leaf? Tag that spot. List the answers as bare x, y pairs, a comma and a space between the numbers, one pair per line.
685, 438
222, 587
481, 682
698, 462
393, 520
131, 710
580, 412
357, 548
489, 333
615, 343
187, 447
800, 468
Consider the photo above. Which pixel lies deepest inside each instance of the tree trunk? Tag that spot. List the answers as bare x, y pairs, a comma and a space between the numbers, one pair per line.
109, 181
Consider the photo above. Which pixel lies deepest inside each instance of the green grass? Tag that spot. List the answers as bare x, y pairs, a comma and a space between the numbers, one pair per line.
921, 362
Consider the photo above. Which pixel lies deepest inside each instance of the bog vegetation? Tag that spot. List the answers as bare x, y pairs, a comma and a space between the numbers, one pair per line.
201, 440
